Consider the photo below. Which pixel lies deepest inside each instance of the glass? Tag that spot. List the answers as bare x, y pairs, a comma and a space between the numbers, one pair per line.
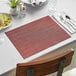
52, 3
21, 10
52, 6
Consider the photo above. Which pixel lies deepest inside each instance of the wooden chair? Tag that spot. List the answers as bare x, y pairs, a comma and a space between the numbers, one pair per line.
46, 66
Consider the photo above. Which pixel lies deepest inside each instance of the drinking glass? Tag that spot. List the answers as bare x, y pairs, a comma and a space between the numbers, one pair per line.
52, 6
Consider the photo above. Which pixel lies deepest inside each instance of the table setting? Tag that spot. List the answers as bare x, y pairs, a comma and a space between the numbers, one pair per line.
30, 17
19, 10
68, 23
15, 9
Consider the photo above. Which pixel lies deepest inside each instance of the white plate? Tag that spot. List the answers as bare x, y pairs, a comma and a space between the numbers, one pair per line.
5, 9
5, 26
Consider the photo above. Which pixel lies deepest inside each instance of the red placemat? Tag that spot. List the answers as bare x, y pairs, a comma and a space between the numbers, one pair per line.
36, 36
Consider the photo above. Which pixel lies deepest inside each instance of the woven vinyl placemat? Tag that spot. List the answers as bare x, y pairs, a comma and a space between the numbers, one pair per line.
36, 36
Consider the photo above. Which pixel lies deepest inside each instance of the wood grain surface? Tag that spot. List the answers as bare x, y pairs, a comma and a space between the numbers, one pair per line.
45, 66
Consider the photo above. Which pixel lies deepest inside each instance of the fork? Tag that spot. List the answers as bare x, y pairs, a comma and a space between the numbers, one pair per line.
70, 21
68, 25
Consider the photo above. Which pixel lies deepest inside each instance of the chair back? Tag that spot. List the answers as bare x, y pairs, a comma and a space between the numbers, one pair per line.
46, 66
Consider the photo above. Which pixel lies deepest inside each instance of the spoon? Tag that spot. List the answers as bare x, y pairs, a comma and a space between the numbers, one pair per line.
70, 21
68, 25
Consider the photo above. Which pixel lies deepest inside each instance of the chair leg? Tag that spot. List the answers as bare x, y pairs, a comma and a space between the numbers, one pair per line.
61, 66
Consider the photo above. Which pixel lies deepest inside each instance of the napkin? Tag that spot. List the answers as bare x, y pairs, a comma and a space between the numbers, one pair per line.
60, 17
37, 2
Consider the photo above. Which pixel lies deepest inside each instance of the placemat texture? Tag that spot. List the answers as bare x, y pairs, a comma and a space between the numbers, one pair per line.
36, 36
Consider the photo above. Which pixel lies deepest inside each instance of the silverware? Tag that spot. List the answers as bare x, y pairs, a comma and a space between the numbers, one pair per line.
68, 24
70, 21
66, 20
69, 30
